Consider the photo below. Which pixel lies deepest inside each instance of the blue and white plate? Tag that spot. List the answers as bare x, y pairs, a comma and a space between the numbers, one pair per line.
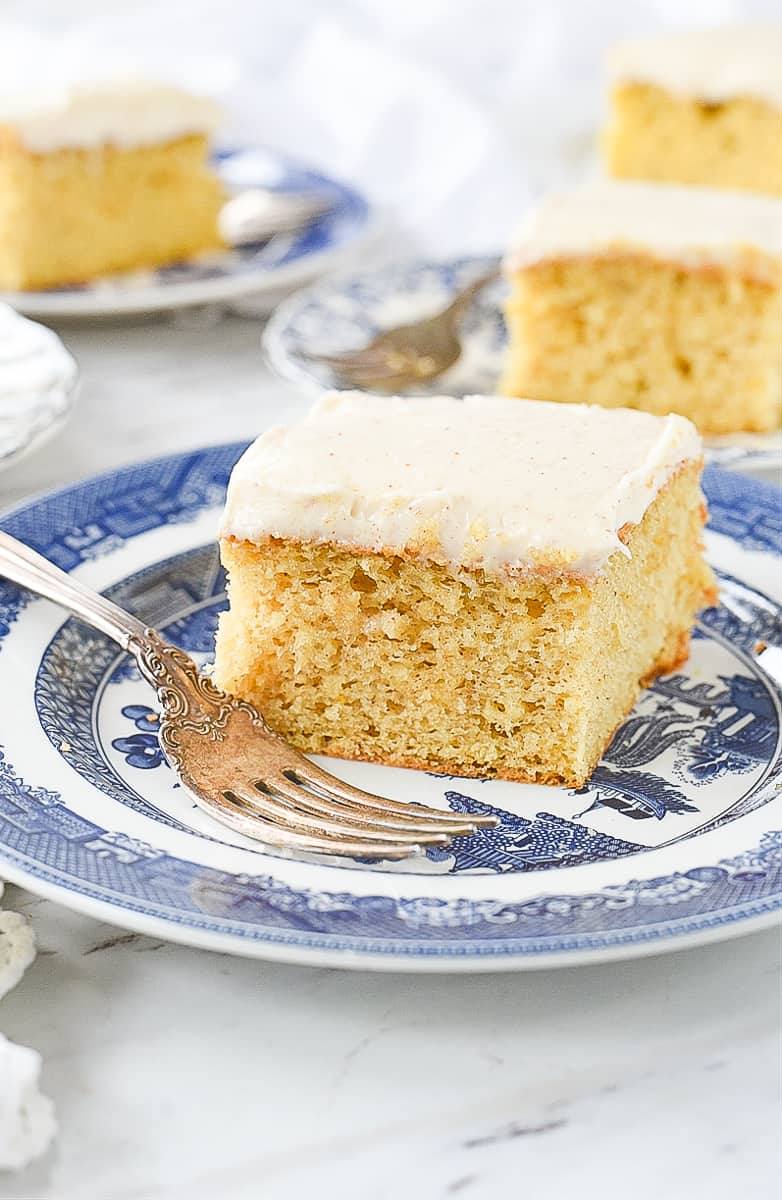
343, 313
677, 838
282, 262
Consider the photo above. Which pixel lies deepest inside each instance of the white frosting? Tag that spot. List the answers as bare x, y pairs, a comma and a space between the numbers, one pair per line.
692, 225
487, 481
710, 65
122, 112
60, 92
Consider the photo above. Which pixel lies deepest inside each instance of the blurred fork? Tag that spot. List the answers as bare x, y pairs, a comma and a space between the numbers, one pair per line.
407, 355
235, 767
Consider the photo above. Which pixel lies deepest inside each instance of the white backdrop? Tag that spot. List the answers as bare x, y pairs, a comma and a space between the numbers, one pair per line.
452, 113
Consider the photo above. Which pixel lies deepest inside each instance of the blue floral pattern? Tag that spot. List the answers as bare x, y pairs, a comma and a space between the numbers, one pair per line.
141, 749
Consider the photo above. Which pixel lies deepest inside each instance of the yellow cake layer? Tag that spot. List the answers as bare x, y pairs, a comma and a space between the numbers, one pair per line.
633, 332
407, 662
72, 214
653, 134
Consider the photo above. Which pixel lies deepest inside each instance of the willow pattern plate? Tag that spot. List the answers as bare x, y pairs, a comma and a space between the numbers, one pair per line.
676, 839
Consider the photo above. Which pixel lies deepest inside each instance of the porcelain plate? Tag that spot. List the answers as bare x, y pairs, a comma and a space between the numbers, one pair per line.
676, 839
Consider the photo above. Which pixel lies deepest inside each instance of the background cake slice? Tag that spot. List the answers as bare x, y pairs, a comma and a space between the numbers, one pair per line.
702, 107
476, 586
651, 296
103, 177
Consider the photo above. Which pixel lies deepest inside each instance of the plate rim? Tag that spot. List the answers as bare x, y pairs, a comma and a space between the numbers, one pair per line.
414, 962
277, 944
149, 298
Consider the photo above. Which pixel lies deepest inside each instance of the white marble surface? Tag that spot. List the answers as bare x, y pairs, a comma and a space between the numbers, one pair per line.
184, 1074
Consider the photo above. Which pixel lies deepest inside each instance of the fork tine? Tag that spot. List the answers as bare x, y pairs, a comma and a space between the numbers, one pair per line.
368, 819
335, 788
234, 814
282, 812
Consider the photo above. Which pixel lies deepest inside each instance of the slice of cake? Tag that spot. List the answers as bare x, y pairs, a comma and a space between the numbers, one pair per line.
698, 108
103, 178
477, 587
651, 296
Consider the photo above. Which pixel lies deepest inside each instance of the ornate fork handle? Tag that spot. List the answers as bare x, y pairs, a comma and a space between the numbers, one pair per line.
189, 700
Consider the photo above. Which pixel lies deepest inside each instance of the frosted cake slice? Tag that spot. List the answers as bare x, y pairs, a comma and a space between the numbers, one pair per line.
478, 587
651, 296
701, 107
103, 177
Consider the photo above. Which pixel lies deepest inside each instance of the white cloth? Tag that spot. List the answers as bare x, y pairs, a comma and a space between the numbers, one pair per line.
452, 114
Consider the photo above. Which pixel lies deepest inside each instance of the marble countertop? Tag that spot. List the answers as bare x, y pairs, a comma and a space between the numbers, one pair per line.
180, 1073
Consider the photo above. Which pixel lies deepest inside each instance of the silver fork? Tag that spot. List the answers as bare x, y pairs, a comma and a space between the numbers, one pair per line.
407, 355
235, 767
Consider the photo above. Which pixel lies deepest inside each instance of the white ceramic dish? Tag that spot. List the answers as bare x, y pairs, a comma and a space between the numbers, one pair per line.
38, 383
